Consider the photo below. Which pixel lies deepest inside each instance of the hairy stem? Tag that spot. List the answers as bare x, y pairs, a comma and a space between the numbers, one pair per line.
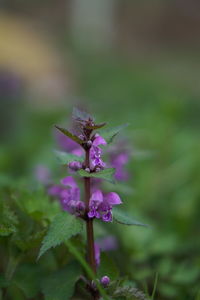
89, 222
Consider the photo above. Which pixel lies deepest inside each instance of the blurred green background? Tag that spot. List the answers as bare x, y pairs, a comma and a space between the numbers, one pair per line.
124, 61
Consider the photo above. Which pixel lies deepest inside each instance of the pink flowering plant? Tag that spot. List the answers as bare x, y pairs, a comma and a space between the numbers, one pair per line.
82, 207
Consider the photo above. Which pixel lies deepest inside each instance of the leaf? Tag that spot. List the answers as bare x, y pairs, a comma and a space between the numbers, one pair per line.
8, 220
80, 115
63, 227
95, 126
65, 158
123, 218
70, 135
106, 174
27, 278
60, 284
25, 242
129, 292
110, 134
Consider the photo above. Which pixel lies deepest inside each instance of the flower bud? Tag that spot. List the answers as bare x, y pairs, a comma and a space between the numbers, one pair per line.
75, 165
81, 136
87, 170
105, 280
89, 144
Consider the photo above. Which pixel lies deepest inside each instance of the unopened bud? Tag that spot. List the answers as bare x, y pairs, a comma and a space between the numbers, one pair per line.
75, 165
89, 144
105, 280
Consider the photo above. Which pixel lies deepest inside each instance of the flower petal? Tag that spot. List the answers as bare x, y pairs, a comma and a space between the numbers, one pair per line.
113, 198
69, 181
97, 197
99, 141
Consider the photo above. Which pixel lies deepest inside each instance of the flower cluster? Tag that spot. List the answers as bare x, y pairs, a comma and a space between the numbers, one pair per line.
118, 156
100, 205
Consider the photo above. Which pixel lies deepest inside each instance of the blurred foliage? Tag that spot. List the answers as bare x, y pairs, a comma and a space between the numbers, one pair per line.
164, 181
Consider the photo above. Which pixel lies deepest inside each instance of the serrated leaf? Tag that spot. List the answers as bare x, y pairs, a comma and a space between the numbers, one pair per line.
80, 115
66, 158
63, 227
106, 174
60, 284
124, 218
129, 292
7, 229
110, 134
8, 220
70, 135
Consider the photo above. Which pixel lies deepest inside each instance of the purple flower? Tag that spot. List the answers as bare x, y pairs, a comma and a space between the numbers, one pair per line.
118, 161
95, 152
108, 243
55, 190
105, 280
75, 165
69, 196
101, 205
68, 145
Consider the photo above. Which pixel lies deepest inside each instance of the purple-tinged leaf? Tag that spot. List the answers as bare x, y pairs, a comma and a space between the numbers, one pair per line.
95, 126
70, 135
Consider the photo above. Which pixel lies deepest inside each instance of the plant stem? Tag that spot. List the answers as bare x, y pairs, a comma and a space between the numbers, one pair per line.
89, 222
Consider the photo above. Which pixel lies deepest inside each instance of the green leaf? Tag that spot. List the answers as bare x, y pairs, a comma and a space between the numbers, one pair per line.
65, 158
8, 220
63, 227
95, 126
123, 218
106, 174
110, 134
27, 278
80, 115
70, 135
60, 284
129, 292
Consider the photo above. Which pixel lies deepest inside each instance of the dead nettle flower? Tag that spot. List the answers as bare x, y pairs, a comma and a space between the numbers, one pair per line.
100, 206
119, 156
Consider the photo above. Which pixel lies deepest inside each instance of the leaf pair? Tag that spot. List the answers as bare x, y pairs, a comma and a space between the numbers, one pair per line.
106, 174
